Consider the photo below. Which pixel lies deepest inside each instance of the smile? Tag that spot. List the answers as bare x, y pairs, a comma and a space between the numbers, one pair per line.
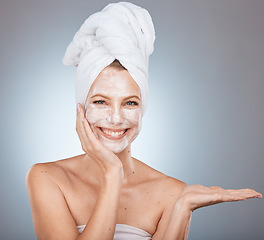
113, 133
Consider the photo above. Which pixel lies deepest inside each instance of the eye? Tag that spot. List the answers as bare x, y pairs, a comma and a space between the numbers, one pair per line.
99, 102
132, 103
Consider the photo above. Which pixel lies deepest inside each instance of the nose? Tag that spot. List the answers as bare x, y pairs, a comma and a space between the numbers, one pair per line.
115, 117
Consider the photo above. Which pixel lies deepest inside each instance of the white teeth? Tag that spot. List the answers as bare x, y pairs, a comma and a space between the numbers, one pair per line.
113, 134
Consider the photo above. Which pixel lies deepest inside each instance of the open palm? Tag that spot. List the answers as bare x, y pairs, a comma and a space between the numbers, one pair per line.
197, 196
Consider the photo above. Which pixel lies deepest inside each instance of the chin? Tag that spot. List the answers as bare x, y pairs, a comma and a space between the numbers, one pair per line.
116, 146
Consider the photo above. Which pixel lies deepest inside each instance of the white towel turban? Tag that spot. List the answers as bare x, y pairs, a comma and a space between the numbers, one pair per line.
121, 31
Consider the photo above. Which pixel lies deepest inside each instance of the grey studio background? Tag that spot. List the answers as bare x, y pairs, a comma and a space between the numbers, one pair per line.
204, 122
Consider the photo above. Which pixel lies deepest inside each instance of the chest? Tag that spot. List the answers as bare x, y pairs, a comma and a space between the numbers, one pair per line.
139, 206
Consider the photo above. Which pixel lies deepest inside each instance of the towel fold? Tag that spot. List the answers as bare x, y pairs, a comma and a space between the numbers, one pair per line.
121, 31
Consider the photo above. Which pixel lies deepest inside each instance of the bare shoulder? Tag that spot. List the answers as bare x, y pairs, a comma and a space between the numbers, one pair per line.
173, 188
52, 172
40, 168
47, 200
42, 171
162, 183
169, 190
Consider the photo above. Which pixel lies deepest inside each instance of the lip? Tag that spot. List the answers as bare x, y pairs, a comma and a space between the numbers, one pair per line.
113, 130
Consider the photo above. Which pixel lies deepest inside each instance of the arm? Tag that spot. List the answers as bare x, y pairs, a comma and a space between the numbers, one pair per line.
48, 206
197, 196
52, 218
179, 224
102, 222
175, 219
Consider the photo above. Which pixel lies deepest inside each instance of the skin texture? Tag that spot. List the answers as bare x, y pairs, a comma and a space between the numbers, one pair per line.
121, 113
102, 188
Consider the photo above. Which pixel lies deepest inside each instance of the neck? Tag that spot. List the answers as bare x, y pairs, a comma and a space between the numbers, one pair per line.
125, 158
128, 163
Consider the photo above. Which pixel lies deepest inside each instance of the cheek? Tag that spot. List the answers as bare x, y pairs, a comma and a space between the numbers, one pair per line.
94, 114
134, 116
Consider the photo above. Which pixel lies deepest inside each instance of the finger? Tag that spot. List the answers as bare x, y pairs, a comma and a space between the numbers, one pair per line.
245, 191
215, 188
259, 195
251, 193
78, 116
87, 132
83, 139
241, 194
80, 128
90, 135
80, 119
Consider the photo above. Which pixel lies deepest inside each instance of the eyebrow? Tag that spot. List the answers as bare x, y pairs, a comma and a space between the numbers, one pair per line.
133, 96
99, 95
104, 96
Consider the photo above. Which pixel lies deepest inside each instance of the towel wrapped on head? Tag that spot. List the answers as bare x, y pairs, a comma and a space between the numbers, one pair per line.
121, 31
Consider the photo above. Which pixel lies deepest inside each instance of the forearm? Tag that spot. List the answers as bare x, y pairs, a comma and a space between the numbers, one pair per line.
102, 222
179, 224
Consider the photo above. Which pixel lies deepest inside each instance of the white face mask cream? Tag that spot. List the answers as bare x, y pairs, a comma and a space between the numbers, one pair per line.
113, 109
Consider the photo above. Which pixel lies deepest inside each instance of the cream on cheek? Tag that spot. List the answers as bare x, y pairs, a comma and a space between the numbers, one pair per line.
114, 115
134, 117
98, 116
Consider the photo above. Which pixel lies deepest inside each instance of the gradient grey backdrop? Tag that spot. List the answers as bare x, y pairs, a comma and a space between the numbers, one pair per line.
204, 122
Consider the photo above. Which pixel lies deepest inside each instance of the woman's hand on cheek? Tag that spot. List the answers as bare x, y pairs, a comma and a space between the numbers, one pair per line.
107, 160
197, 196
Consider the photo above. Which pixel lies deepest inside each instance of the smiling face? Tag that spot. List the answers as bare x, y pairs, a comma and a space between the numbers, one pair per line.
113, 108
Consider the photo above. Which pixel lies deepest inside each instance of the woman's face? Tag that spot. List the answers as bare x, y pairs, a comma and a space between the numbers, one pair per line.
113, 109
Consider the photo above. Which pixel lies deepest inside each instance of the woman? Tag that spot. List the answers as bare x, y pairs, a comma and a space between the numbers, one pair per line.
105, 193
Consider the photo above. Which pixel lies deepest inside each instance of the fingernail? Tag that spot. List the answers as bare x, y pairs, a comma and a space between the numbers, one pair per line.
82, 119
78, 107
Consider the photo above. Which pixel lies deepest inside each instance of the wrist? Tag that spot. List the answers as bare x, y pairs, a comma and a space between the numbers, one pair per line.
182, 205
114, 174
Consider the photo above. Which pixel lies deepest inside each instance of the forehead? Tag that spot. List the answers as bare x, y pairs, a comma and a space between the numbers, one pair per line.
113, 82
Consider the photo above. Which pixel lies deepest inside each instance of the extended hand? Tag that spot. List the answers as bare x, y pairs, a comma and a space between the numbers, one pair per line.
197, 196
